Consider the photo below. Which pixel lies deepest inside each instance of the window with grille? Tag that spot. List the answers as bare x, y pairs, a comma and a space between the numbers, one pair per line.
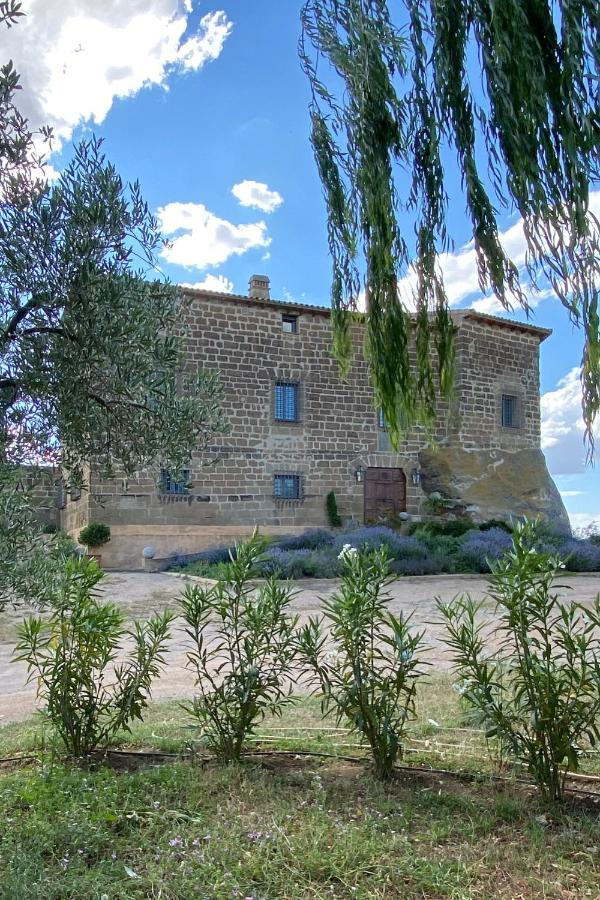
287, 487
510, 411
171, 485
289, 324
286, 401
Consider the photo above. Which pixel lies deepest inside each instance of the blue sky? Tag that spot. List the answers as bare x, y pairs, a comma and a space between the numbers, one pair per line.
207, 106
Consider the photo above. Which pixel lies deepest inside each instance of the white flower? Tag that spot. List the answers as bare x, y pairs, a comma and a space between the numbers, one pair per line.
347, 552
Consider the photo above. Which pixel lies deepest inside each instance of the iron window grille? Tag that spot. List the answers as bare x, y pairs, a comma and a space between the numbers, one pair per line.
287, 406
287, 486
171, 485
510, 413
289, 324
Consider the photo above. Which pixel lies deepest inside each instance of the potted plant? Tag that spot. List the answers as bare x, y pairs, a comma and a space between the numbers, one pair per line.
94, 536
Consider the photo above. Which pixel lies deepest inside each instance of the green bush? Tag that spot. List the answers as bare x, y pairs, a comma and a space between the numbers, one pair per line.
447, 528
333, 516
540, 694
367, 666
50, 528
95, 534
242, 651
70, 653
496, 523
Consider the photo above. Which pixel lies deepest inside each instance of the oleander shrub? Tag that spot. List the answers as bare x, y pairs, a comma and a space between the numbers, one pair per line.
539, 694
62, 545
242, 651
368, 665
71, 656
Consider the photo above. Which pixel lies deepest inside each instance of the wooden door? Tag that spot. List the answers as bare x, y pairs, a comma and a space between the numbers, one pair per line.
385, 493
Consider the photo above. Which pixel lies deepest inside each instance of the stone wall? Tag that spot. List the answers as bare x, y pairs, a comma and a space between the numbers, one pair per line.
42, 486
337, 432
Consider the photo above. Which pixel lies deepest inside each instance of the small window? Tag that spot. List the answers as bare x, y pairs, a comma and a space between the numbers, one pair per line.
381, 420
286, 401
171, 485
287, 487
289, 324
509, 411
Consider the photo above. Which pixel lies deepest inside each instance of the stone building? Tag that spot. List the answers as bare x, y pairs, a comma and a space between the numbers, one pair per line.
298, 431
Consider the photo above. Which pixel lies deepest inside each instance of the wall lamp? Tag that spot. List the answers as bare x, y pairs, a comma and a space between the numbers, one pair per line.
415, 476
359, 474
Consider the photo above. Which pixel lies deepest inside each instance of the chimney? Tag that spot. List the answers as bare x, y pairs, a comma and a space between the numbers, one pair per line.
258, 287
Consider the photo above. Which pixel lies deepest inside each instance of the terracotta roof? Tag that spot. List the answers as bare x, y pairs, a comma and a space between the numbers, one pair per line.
458, 315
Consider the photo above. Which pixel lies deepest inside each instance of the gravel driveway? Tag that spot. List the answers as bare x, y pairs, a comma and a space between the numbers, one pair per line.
140, 594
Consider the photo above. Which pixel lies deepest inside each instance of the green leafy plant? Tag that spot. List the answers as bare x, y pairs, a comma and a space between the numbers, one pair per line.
96, 534
539, 693
243, 650
367, 667
70, 654
50, 528
496, 523
331, 507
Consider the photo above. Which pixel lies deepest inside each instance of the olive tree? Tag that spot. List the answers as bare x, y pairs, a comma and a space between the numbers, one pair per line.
91, 352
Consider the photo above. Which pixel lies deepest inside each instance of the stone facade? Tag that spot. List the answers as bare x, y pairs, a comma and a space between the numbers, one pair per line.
336, 441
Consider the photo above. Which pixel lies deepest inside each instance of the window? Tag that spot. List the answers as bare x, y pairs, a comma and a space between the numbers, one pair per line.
287, 487
510, 411
381, 420
171, 485
286, 401
289, 324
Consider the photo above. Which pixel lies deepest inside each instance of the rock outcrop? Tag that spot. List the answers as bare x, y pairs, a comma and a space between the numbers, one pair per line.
494, 484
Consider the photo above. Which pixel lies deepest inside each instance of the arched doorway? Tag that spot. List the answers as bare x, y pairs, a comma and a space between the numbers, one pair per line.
385, 493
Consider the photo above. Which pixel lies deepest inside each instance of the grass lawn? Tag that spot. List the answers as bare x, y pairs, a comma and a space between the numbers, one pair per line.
288, 827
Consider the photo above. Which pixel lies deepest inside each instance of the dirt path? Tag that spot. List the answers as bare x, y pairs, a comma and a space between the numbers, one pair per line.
141, 594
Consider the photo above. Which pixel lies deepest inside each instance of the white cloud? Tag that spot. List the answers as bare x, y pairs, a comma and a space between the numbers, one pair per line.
257, 195
76, 57
211, 283
585, 523
492, 306
461, 280
200, 239
572, 493
562, 426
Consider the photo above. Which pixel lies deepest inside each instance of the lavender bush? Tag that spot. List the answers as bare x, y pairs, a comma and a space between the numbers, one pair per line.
580, 556
477, 547
312, 539
314, 554
284, 563
373, 537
